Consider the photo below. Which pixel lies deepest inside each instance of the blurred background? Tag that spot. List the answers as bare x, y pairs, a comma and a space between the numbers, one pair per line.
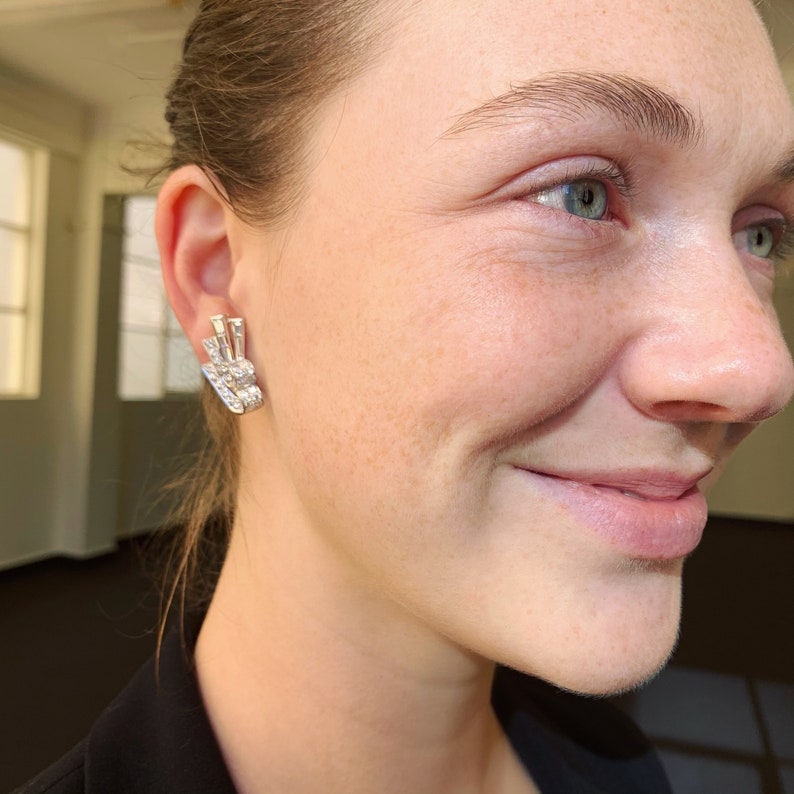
96, 405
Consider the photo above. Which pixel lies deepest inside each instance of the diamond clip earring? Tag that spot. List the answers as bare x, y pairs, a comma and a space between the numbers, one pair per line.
229, 372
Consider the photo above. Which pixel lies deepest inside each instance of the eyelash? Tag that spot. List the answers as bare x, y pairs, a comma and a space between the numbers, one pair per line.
784, 247
612, 174
617, 180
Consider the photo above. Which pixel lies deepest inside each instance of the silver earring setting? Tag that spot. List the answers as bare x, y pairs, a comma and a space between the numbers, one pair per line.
229, 372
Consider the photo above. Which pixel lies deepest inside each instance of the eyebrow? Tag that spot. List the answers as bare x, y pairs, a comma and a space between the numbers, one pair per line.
636, 104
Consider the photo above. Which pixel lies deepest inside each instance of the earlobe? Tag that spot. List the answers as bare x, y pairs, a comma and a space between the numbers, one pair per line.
194, 250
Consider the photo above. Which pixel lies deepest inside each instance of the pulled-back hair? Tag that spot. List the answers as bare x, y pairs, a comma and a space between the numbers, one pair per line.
252, 77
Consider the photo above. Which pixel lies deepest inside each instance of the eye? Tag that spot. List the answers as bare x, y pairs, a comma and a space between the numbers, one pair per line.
585, 198
759, 240
769, 239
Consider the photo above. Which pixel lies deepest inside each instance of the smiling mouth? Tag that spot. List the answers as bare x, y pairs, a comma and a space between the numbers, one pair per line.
646, 484
648, 515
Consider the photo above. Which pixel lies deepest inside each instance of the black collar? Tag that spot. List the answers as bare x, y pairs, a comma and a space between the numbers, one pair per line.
158, 739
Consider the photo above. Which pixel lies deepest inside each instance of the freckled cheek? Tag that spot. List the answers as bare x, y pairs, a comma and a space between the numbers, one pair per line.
381, 364
464, 371
516, 351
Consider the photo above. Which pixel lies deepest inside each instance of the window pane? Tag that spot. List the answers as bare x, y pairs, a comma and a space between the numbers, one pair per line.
14, 184
13, 268
12, 345
182, 373
140, 365
142, 296
139, 239
152, 347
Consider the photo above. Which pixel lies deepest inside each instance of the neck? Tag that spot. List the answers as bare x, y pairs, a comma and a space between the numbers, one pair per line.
311, 680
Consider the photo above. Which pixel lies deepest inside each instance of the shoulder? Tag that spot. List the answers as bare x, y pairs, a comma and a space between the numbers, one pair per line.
572, 743
154, 737
66, 776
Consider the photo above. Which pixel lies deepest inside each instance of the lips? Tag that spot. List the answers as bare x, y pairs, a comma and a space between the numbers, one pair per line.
652, 515
648, 485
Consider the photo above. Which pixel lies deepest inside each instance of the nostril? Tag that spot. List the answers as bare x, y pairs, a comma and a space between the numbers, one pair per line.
684, 410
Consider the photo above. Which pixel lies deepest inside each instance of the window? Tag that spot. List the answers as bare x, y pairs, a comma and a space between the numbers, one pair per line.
155, 358
22, 215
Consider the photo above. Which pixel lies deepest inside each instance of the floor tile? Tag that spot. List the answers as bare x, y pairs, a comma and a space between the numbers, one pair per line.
787, 778
693, 774
699, 708
777, 707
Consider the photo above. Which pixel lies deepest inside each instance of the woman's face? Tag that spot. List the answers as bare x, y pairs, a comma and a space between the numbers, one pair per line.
522, 310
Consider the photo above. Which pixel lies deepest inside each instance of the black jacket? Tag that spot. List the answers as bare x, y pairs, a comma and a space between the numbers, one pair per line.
159, 741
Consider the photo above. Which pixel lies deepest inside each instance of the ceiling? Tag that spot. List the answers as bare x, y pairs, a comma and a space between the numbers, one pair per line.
102, 51
108, 51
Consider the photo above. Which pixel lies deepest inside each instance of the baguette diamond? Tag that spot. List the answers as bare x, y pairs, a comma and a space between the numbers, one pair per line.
228, 371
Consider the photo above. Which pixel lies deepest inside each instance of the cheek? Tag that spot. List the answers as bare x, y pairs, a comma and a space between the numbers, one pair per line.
504, 348
382, 369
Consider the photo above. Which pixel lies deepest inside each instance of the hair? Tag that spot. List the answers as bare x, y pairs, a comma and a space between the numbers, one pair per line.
253, 75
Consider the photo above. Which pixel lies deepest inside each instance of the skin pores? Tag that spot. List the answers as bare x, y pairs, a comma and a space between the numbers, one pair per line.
453, 357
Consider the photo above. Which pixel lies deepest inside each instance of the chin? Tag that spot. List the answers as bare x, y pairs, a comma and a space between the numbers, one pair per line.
616, 667
621, 673
625, 638
631, 676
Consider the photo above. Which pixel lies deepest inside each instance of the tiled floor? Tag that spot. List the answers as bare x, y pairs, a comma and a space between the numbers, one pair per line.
787, 778
692, 774
719, 733
777, 706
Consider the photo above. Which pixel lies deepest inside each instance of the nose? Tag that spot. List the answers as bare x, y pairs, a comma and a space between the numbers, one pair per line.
710, 349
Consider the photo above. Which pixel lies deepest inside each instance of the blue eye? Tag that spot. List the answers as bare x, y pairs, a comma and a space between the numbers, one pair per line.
760, 241
585, 198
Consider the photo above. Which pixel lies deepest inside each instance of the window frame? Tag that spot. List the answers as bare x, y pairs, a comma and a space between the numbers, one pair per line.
35, 233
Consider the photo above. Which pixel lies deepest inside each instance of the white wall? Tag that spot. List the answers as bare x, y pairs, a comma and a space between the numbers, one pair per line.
79, 467
44, 459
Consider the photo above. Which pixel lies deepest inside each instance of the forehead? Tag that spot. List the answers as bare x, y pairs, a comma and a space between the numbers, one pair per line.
448, 57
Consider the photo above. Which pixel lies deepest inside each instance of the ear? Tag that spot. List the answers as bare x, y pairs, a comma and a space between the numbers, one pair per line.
191, 228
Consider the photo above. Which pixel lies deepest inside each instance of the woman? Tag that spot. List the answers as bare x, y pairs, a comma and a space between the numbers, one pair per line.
506, 271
